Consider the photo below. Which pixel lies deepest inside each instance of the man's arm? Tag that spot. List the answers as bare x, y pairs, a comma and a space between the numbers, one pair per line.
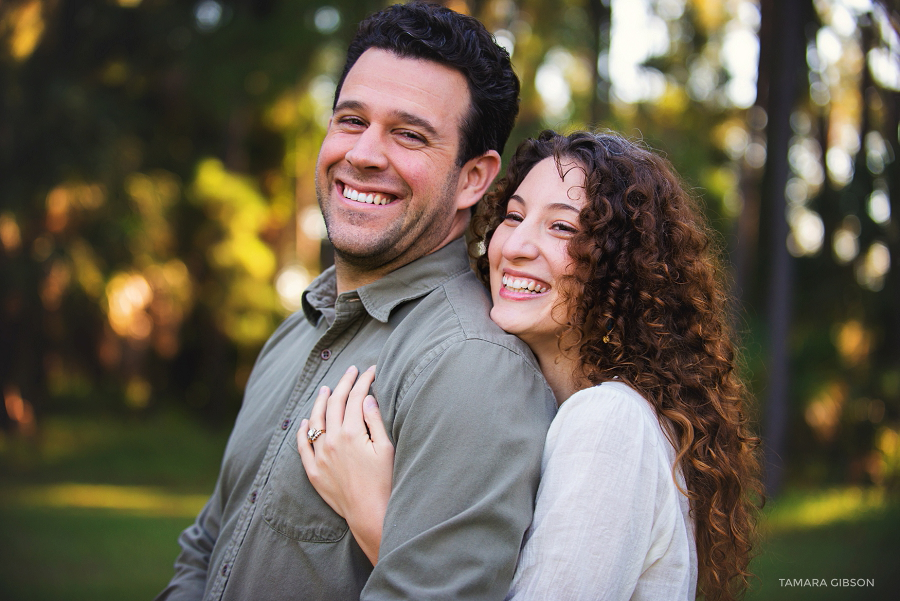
469, 432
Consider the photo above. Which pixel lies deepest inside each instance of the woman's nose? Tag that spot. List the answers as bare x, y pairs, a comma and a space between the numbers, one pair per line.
520, 244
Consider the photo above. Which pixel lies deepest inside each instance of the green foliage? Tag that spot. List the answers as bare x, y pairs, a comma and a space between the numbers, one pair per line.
144, 209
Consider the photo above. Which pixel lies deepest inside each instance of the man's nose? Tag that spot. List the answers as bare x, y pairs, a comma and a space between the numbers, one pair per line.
368, 152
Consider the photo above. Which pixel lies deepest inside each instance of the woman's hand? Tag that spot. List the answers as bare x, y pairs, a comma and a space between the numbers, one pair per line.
351, 463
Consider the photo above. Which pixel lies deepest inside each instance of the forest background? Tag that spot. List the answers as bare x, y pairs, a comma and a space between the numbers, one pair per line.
158, 220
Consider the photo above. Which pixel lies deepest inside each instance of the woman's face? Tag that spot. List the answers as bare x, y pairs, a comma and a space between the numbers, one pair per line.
528, 253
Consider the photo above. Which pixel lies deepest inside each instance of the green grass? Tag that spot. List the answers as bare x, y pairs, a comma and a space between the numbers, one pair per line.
91, 509
85, 554
829, 535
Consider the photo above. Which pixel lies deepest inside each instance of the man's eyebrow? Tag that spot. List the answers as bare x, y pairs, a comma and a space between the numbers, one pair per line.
555, 205
402, 116
416, 121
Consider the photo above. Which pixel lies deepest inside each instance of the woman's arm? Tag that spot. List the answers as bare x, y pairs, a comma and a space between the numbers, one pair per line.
351, 462
608, 523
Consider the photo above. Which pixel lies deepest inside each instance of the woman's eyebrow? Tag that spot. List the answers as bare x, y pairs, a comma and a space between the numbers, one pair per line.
563, 206
555, 205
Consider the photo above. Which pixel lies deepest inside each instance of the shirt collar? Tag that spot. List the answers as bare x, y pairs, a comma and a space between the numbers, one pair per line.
379, 298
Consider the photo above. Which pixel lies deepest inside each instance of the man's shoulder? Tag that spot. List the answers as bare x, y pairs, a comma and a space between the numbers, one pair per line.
446, 344
461, 308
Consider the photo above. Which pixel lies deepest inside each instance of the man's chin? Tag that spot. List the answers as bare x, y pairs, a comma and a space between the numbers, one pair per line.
363, 254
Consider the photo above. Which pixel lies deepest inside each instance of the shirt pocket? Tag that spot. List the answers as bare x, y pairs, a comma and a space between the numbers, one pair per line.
292, 507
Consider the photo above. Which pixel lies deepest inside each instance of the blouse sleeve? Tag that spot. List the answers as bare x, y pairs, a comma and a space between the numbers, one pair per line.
599, 523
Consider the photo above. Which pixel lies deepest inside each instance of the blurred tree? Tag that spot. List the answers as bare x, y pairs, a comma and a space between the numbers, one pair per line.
783, 26
832, 164
149, 154
158, 217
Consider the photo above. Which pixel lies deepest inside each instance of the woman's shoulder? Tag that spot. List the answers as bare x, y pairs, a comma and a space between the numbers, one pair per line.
611, 414
608, 400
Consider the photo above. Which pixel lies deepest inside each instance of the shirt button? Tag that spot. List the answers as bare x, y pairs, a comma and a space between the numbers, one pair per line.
285, 424
326, 355
253, 497
225, 569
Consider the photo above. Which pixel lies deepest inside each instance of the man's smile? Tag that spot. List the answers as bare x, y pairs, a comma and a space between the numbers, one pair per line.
377, 198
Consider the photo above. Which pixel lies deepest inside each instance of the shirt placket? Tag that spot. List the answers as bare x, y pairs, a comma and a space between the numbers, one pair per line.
349, 314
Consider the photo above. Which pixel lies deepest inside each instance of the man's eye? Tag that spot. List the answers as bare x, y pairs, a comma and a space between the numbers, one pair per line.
412, 136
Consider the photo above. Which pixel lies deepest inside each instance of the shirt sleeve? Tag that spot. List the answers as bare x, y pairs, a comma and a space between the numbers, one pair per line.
199, 539
469, 433
597, 525
192, 564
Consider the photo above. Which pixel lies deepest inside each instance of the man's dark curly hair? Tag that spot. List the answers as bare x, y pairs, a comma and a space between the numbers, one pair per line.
432, 32
645, 305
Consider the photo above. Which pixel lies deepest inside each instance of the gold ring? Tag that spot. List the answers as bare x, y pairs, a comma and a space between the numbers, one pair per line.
313, 434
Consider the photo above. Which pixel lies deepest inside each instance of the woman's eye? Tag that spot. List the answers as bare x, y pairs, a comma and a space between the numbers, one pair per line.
511, 216
565, 227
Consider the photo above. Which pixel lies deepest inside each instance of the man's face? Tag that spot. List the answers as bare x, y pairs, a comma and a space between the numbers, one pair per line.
386, 177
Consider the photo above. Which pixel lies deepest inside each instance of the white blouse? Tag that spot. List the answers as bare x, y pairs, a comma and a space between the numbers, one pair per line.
609, 521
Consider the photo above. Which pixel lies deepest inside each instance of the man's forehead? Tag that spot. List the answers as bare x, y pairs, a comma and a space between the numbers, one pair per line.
396, 62
421, 89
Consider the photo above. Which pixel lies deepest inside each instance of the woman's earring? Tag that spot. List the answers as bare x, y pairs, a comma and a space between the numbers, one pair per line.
609, 327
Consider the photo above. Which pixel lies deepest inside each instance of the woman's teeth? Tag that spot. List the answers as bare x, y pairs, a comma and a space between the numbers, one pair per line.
522, 285
372, 199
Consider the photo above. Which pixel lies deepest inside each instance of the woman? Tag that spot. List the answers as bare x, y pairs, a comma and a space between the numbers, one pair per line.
598, 259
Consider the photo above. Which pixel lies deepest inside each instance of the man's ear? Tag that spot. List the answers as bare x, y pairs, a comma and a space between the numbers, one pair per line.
476, 177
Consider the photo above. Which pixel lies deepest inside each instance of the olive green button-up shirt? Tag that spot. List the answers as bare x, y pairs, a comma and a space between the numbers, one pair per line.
465, 406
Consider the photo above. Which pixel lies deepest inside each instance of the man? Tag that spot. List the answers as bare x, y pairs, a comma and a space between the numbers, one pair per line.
423, 108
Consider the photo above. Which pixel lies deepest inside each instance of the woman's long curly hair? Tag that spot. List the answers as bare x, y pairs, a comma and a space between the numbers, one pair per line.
645, 305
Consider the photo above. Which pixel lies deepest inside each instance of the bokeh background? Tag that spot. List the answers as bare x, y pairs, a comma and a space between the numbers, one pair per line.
158, 220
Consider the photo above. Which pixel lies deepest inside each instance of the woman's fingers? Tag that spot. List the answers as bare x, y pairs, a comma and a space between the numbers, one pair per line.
317, 415
334, 411
353, 420
329, 409
307, 454
372, 415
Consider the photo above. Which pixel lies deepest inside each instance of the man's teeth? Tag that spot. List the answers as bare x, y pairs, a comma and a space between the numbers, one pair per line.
523, 285
372, 199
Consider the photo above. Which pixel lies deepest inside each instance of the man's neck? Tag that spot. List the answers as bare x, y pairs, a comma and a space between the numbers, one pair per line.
350, 276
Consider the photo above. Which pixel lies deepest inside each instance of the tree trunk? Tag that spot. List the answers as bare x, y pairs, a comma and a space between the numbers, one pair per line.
600, 14
786, 71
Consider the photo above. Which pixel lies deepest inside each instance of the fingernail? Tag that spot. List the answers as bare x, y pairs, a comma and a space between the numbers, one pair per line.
371, 368
303, 424
369, 402
351, 368
323, 390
